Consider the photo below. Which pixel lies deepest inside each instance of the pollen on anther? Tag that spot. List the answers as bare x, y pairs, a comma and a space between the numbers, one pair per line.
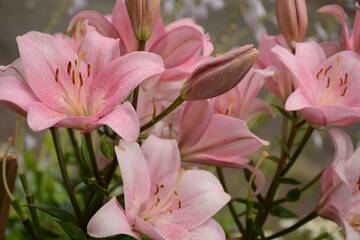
179, 206
57, 75
73, 77
346, 78
162, 185
88, 70
343, 93
326, 70
341, 82
175, 192
318, 74
157, 201
81, 79
157, 189
328, 83
69, 68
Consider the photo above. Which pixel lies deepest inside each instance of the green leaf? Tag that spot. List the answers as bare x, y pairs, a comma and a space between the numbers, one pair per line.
154, 110
107, 147
55, 212
293, 195
290, 181
72, 230
283, 112
324, 235
274, 159
279, 211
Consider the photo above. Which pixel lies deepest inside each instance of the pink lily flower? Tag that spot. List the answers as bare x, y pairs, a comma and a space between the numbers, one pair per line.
216, 139
281, 83
349, 42
327, 88
166, 202
241, 102
82, 91
340, 194
179, 44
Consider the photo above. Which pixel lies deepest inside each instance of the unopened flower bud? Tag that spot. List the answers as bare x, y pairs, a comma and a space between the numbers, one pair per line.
292, 19
143, 14
219, 74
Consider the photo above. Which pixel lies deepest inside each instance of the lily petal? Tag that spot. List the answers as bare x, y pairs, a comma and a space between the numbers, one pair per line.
41, 55
311, 54
148, 230
11, 88
343, 144
209, 230
132, 165
194, 121
162, 155
178, 45
121, 21
41, 117
202, 195
122, 76
94, 46
123, 120
102, 25
110, 220
339, 13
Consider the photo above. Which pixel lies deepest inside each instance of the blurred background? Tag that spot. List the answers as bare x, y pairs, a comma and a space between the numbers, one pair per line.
230, 23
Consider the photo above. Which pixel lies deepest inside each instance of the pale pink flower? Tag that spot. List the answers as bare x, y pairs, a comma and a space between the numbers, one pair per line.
64, 89
216, 139
179, 44
241, 102
349, 42
162, 200
281, 83
327, 88
340, 186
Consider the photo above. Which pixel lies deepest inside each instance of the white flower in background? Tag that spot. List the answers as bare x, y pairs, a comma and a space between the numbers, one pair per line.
196, 9
252, 13
76, 6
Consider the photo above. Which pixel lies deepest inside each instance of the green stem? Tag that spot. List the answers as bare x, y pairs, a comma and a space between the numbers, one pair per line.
303, 221
95, 169
74, 143
24, 182
23, 218
230, 203
65, 176
110, 172
168, 110
303, 189
299, 149
30, 201
274, 185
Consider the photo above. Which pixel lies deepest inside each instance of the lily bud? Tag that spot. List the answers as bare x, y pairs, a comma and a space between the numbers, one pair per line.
292, 19
219, 74
143, 14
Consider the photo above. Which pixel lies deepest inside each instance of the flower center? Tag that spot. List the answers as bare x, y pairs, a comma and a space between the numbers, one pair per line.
165, 202
73, 95
335, 85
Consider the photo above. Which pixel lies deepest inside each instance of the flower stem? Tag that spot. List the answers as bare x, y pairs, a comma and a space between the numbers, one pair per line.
166, 112
135, 95
65, 176
303, 221
95, 169
14, 202
230, 203
23, 179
